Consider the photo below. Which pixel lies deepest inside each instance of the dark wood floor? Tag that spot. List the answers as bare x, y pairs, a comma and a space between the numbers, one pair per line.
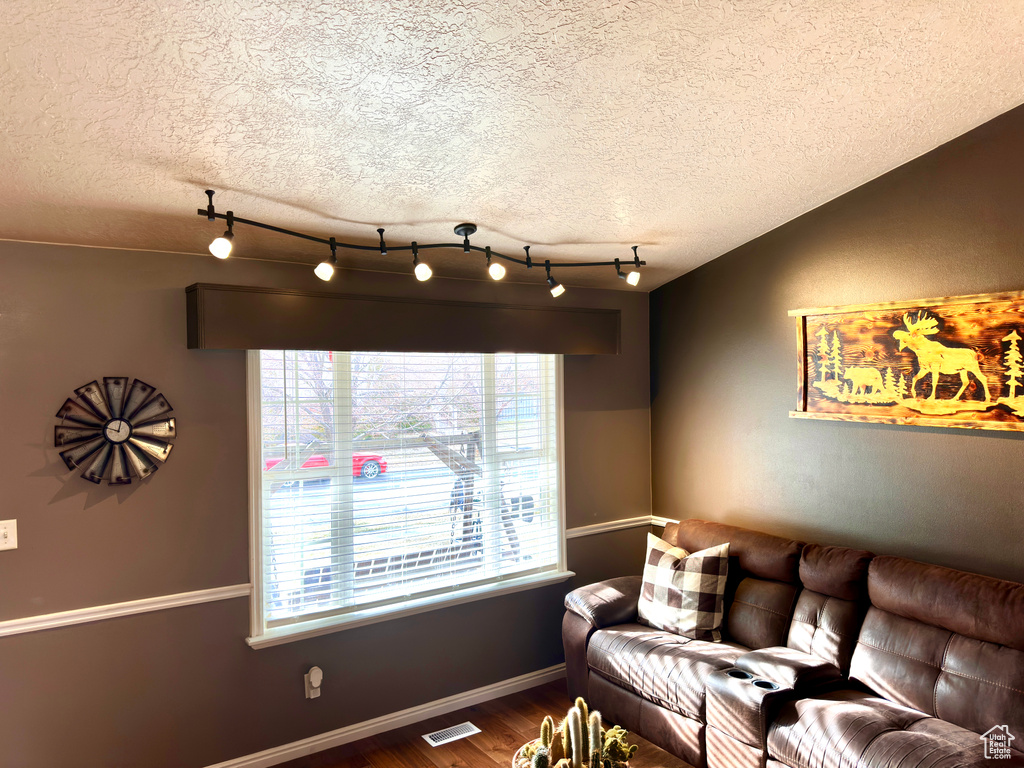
506, 724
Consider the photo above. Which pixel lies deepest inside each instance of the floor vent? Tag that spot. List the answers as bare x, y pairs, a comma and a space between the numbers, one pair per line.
460, 731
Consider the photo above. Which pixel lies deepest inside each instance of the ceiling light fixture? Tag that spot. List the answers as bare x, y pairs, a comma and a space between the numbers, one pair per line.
633, 278
494, 269
221, 248
556, 288
419, 268
325, 269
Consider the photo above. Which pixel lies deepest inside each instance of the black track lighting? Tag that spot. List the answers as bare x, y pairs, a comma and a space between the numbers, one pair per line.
221, 248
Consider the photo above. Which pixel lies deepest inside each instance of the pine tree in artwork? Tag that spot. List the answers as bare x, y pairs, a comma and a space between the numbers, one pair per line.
1012, 360
901, 386
824, 353
837, 356
904, 386
888, 383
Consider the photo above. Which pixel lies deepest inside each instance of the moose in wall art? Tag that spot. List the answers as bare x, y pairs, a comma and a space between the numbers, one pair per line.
949, 362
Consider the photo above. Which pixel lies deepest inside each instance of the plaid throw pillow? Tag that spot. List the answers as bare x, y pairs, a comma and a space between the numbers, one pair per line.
683, 593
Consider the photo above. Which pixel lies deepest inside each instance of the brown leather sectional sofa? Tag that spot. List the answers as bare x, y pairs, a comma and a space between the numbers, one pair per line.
830, 657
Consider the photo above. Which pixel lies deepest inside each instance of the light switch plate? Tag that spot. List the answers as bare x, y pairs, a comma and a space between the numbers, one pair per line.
8, 534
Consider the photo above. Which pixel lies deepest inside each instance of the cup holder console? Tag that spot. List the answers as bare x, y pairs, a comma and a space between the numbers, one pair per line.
739, 674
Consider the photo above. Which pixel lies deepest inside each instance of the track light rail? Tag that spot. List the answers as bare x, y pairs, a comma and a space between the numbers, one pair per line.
465, 230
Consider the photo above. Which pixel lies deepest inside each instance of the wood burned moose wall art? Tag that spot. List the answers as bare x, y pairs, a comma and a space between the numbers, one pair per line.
949, 362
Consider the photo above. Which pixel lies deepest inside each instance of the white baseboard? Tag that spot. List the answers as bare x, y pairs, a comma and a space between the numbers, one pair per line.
350, 733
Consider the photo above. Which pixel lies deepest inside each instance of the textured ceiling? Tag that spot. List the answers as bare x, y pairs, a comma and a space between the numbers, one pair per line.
580, 128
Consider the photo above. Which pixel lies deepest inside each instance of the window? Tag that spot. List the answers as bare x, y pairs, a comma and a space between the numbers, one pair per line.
389, 483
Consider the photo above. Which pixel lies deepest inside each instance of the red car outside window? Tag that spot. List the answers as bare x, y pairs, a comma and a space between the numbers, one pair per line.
367, 465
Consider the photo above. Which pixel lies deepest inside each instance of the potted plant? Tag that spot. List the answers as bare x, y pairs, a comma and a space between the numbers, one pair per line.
579, 742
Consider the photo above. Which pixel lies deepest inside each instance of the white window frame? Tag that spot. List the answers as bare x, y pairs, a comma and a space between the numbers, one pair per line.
261, 636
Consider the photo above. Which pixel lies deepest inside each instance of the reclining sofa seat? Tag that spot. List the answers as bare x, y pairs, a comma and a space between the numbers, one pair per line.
940, 661
817, 657
652, 681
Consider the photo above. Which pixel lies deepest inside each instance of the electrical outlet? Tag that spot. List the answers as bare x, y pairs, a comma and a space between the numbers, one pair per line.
8, 534
313, 680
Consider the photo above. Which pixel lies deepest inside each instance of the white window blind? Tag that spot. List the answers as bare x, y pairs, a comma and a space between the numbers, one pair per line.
386, 478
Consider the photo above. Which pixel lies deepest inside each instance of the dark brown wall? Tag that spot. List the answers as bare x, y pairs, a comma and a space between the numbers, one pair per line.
180, 687
724, 376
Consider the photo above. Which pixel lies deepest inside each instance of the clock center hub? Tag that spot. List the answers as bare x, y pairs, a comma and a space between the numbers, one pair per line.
117, 430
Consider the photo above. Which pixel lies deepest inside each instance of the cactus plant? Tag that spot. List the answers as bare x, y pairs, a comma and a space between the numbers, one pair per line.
547, 729
566, 743
581, 705
616, 748
541, 759
576, 738
595, 743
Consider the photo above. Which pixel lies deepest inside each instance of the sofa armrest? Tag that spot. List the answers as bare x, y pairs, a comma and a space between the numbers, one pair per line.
789, 667
606, 603
740, 708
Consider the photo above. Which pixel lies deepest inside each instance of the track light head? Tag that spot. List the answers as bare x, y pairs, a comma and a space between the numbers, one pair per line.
221, 247
422, 271
556, 288
633, 278
494, 269
325, 269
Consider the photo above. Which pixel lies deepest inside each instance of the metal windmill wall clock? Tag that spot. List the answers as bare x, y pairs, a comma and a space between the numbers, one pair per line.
115, 431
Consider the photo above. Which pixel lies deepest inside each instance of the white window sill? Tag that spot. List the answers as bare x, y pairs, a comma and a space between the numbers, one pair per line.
317, 627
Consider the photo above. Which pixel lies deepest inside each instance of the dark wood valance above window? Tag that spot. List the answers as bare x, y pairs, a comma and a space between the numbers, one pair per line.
240, 317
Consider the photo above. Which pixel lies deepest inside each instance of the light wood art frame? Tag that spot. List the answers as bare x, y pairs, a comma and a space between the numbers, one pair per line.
945, 362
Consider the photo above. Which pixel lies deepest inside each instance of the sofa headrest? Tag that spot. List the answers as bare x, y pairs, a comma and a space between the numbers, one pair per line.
835, 571
966, 603
759, 554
